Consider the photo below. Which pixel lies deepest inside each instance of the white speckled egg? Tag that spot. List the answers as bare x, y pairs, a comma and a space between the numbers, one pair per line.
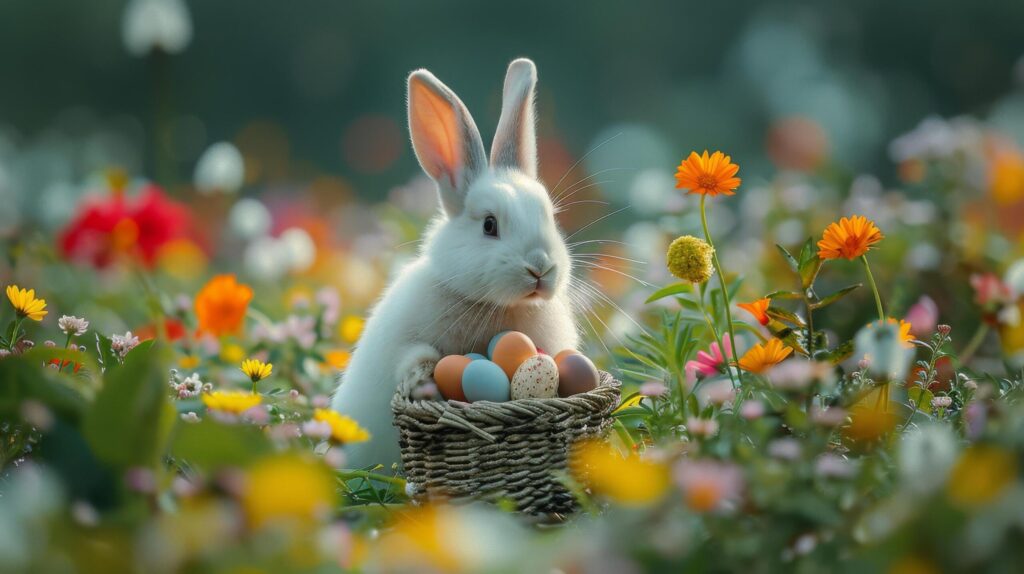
536, 378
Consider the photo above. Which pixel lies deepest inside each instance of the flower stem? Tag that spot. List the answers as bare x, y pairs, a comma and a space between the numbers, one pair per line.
972, 346
60, 365
874, 288
717, 336
14, 333
721, 280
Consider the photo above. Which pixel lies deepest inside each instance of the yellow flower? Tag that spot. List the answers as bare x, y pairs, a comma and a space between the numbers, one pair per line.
763, 356
350, 328
848, 238
419, 540
982, 473
344, 430
906, 339
287, 488
188, 362
708, 175
256, 369
759, 309
337, 359
233, 402
690, 259
1006, 177
629, 480
232, 353
26, 304
221, 305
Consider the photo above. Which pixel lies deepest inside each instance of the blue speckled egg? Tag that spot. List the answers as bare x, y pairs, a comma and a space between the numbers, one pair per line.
475, 356
484, 380
494, 341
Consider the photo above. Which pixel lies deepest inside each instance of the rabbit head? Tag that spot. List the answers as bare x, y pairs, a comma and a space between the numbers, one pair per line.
495, 240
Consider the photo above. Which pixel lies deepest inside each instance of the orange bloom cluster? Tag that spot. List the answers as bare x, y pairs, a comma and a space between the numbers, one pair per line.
763, 356
848, 238
221, 306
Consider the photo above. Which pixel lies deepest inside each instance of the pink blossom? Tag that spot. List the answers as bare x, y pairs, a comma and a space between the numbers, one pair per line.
988, 288
708, 364
653, 389
702, 427
708, 485
751, 410
923, 317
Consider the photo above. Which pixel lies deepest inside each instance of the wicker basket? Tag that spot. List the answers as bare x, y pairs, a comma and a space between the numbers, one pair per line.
486, 450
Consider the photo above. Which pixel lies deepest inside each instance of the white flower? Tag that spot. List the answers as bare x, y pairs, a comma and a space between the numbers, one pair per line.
300, 248
831, 465
942, 402
249, 218
785, 448
220, 169
191, 387
889, 357
926, 455
122, 344
71, 325
1014, 278
266, 258
150, 25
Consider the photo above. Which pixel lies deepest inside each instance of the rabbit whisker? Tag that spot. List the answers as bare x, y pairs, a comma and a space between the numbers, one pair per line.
583, 157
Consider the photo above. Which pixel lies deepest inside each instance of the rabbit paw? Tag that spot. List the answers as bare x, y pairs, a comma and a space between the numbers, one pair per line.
417, 363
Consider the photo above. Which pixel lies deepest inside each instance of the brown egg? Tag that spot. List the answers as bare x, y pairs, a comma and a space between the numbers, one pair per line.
576, 374
562, 354
448, 376
511, 350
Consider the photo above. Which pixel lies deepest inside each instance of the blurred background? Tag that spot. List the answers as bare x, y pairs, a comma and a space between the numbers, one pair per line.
810, 98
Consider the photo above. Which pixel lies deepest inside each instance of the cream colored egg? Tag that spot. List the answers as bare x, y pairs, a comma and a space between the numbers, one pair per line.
536, 378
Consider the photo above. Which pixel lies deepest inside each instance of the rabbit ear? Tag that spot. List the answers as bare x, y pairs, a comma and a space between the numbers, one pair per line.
515, 142
444, 137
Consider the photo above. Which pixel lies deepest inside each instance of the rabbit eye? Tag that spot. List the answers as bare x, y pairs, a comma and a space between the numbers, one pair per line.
490, 226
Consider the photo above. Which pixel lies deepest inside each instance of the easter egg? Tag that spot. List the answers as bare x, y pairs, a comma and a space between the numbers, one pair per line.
448, 376
494, 341
511, 350
536, 378
484, 380
475, 356
576, 374
562, 354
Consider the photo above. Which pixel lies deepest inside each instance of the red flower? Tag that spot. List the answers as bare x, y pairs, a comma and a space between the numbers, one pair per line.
173, 330
113, 227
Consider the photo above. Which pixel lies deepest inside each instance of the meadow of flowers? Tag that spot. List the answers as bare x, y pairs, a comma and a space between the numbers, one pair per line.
822, 367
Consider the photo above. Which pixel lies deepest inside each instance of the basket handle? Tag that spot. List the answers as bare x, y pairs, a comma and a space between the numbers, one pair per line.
455, 421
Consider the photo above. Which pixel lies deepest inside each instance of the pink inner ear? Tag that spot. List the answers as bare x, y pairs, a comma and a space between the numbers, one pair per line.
433, 126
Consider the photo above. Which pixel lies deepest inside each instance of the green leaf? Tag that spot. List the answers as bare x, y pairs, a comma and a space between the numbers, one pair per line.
668, 291
830, 299
921, 398
793, 263
809, 271
24, 379
785, 315
210, 444
132, 416
107, 356
783, 294
838, 354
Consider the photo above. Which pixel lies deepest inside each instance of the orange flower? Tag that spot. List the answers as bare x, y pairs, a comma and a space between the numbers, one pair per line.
221, 305
708, 175
1006, 177
849, 238
763, 356
759, 309
906, 338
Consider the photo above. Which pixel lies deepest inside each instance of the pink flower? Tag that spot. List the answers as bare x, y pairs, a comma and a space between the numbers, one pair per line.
653, 389
988, 288
923, 317
708, 485
708, 364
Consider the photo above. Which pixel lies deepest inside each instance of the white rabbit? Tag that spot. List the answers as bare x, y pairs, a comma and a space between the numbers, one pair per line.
492, 259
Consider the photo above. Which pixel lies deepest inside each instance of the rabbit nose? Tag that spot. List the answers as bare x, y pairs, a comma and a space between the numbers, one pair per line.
538, 273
